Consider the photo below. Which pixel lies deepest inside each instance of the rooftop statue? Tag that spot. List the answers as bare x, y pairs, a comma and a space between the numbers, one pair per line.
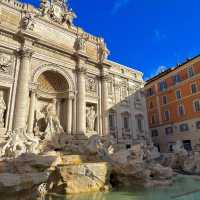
58, 11
103, 50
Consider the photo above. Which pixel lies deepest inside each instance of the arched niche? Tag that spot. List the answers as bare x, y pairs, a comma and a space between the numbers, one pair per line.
52, 82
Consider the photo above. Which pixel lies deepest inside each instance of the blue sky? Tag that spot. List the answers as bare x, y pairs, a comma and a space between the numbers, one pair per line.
148, 35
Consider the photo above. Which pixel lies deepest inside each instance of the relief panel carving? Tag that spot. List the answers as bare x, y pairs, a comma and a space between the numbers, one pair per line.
91, 86
5, 63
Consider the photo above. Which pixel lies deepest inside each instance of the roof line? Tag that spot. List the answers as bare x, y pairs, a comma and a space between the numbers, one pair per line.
171, 69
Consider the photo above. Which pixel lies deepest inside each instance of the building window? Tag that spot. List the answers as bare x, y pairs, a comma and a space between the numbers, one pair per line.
110, 88
154, 133
153, 119
187, 145
140, 122
151, 105
163, 86
166, 115
176, 79
194, 88
150, 92
184, 127
181, 110
198, 124
126, 122
196, 105
158, 147
171, 146
178, 94
164, 100
112, 120
169, 130
190, 72
126, 118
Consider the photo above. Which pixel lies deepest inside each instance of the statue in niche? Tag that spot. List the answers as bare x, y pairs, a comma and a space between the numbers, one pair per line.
52, 120
2, 109
103, 50
90, 118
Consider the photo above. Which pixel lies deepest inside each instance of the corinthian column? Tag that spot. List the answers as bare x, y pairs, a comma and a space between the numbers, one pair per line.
81, 104
22, 93
105, 105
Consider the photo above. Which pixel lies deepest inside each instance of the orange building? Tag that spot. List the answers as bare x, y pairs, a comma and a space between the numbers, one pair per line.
173, 105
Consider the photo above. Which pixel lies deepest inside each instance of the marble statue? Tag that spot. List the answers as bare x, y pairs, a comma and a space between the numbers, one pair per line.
80, 43
44, 7
2, 109
28, 21
68, 17
90, 118
53, 123
178, 148
19, 142
103, 50
42, 191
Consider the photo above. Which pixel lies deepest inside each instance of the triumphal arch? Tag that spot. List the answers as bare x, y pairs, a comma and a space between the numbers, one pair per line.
56, 78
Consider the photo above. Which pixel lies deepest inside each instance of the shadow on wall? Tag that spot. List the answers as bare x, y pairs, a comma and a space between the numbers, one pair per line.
128, 118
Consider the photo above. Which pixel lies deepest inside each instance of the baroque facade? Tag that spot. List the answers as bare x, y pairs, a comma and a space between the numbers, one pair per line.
55, 77
173, 104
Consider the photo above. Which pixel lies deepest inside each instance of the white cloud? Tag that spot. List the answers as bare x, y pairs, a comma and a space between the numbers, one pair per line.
157, 71
118, 4
160, 69
159, 35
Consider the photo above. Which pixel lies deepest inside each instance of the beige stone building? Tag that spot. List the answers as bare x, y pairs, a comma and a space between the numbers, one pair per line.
55, 75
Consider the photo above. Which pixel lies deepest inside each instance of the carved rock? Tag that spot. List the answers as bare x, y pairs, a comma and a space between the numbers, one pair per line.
85, 177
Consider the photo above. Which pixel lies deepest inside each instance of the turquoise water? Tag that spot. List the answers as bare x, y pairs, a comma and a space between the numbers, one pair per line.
183, 185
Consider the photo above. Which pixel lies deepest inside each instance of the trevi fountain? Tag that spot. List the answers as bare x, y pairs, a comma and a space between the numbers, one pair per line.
73, 124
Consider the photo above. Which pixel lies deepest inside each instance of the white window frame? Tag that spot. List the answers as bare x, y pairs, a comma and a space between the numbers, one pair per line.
178, 110
194, 105
163, 100
188, 71
195, 86
180, 94
165, 115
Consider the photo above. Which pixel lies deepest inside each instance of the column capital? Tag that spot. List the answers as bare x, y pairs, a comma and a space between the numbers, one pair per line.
82, 69
106, 77
25, 53
71, 96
